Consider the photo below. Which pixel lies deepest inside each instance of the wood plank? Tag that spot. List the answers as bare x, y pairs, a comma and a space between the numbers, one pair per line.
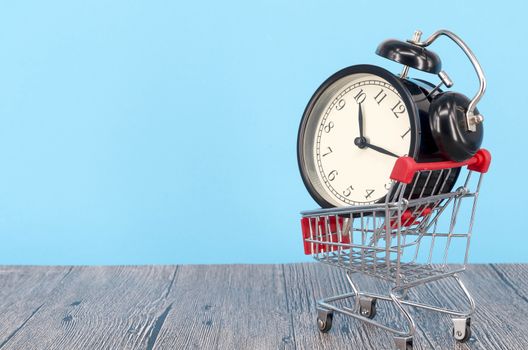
500, 321
23, 291
228, 307
100, 308
238, 307
493, 325
514, 276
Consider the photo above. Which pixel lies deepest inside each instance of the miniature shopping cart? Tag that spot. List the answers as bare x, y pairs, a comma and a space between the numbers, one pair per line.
406, 241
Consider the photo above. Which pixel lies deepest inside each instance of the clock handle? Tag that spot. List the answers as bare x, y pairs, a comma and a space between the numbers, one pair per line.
471, 118
406, 167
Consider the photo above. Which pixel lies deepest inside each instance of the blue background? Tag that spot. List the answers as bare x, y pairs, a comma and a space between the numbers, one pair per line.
164, 132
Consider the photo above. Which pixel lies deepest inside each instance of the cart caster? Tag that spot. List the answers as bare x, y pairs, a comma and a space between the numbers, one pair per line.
462, 329
403, 343
324, 320
367, 306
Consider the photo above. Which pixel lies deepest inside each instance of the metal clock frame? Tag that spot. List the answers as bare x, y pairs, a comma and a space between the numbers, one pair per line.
392, 79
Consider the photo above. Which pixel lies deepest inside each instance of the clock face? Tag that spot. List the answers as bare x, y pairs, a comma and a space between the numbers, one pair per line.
353, 130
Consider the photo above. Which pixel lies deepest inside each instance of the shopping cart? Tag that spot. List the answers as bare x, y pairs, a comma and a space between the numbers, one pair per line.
406, 241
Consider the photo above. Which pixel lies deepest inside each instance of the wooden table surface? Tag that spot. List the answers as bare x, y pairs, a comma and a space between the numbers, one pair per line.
236, 307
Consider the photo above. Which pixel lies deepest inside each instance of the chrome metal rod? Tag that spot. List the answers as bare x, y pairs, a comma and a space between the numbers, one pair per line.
473, 59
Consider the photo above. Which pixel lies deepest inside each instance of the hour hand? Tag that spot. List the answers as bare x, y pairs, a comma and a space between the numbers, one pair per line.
380, 149
360, 120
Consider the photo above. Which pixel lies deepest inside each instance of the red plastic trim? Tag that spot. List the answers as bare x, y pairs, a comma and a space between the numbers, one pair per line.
330, 237
406, 167
482, 163
408, 219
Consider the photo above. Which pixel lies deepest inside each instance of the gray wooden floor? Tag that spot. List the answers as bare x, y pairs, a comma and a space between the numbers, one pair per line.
235, 307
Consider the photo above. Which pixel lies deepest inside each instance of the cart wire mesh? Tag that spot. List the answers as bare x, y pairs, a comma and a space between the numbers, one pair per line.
385, 240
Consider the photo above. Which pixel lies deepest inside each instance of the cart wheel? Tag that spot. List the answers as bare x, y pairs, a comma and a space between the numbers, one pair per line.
367, 307
325, 323
403, 343
462, 329
462, 336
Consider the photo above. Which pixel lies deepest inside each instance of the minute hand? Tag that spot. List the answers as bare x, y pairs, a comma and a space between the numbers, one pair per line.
381, 150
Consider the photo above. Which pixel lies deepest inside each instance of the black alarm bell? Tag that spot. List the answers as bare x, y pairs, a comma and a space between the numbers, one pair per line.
455, 123
410, 55
448, 123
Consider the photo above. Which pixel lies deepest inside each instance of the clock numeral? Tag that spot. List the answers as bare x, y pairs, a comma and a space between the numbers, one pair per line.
360, 97
332, 175
329, 151
388, 185
402, 136
340, 104
348, 191
328, 127
380, 96
399, 108
369, 193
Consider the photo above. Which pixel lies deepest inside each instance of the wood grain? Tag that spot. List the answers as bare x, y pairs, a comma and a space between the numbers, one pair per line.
239, 307
228, 307
500, 321
23, 292
99, 308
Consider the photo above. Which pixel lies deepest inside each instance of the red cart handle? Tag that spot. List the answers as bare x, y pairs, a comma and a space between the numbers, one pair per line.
406, 167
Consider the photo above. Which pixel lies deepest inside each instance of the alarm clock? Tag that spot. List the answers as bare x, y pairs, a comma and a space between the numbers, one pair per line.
362, 118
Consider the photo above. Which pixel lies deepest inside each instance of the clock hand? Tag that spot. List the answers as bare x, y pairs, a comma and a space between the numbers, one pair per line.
360, 120
379, 149
362, 142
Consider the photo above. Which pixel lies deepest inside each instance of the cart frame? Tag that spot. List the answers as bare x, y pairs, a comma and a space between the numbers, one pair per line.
385, 241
